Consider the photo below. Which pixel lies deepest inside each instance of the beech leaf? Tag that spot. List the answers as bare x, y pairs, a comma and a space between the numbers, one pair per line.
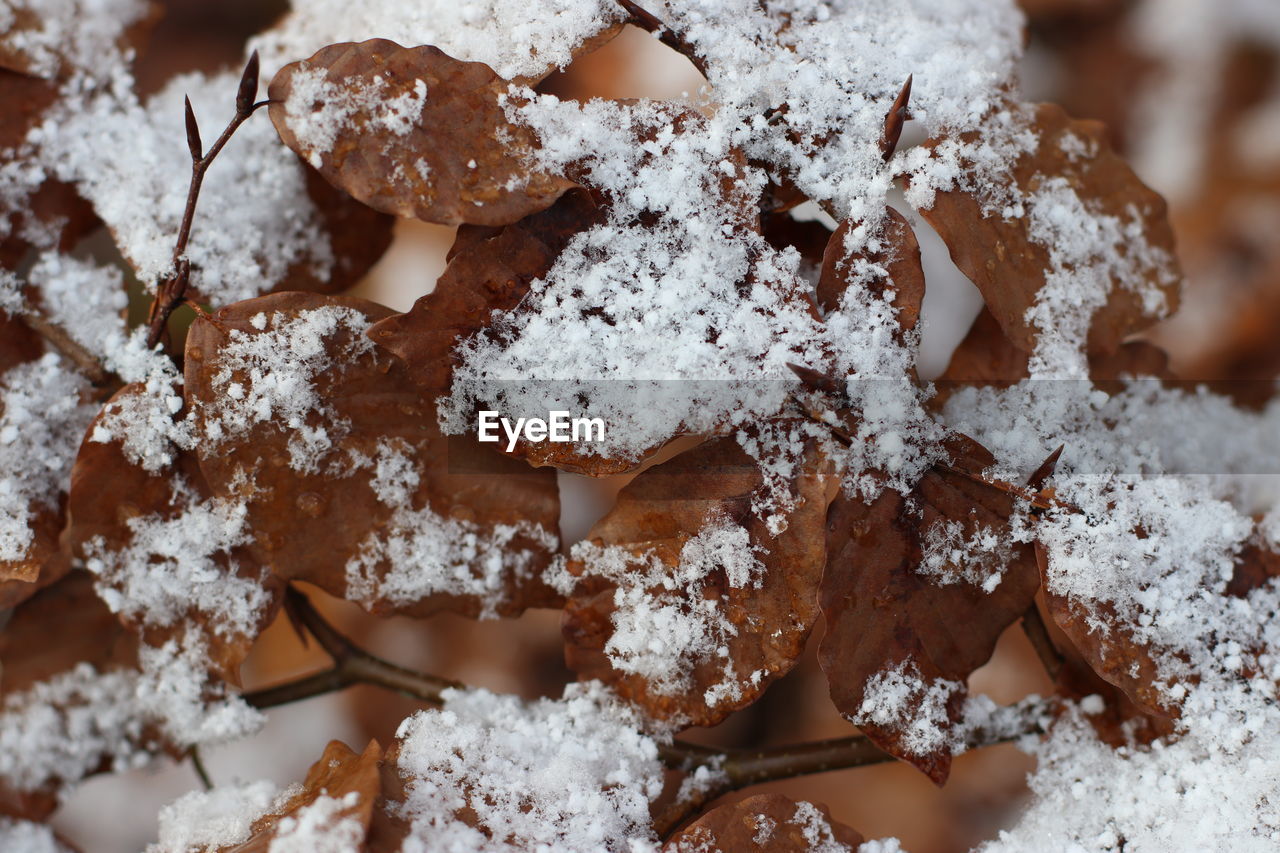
918, 588
768, 823
413, 132
682, 599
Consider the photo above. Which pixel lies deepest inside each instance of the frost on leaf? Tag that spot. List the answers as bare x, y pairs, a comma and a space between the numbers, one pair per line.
495, 774
168, 557
682, 598
768, 823
42, 419
412, 131
346, 481
1071, 251
904, 633
889, 267
488, 275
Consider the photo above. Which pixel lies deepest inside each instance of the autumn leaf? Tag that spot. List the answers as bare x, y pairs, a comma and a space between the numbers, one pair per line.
413, 132
347, 481
157, 543
489, 273
893, 266
1009, 259
682, 598
917, 590
338, 799
769, 823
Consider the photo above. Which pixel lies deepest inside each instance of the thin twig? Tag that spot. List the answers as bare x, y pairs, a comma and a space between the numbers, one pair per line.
732, 769
198, 764
171, 292
69, 347
351, 665
649, 22
1038, 633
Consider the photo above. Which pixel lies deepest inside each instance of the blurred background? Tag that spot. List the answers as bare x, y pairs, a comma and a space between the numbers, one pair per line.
1189, 90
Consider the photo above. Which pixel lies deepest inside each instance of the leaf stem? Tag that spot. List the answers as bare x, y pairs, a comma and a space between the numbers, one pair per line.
61, 340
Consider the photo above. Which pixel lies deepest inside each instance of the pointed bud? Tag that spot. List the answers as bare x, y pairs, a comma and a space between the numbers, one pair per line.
1046, 469
894, 120
248, 86
193, 132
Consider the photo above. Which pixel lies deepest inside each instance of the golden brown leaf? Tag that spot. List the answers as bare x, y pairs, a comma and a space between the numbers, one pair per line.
1009, 267
657, 517
899, 257
768, 823
452, 158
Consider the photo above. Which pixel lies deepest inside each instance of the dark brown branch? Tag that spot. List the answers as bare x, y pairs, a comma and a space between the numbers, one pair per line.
894, 121
171, 292
650, 23
1038, 633
351, 665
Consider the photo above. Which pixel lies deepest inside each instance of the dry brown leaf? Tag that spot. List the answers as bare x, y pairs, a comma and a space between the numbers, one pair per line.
472, 507
656, 515
108, 492
457, 160
27, 17
900, 259
1111, 652
340, 774
999, 256
768, 823
885, 614
489, 271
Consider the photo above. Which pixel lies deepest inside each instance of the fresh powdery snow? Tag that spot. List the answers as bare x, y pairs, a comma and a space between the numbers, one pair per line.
574, 774
268, 376
42, 420
1155, 541
662, 625
514, 39
217, 818
24, 836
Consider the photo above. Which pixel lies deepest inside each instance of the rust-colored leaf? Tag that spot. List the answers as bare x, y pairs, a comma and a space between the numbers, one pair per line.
355, 780
768, 823
27, 48
1110, 651
413, 132
111, 500
898, 255
1009, 266
683, 600
361, 494
918, 588
489, 272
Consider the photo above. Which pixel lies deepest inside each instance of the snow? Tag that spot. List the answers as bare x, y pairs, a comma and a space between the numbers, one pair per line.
899, 698
1090, 252
178, 563
951, 552
70, 34
514, 39
573, 774
321, 827
215, 819
269, 377
663, 626
318, 129
42, 420
24, 836
255, 220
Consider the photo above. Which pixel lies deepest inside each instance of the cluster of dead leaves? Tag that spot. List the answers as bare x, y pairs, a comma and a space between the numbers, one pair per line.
858, 564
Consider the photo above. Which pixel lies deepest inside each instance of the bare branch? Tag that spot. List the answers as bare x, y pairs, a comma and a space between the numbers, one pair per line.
649, 22
171, 292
